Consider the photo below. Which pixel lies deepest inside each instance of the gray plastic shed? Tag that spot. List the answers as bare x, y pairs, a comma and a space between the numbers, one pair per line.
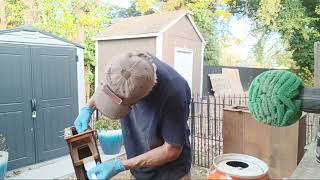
41, 91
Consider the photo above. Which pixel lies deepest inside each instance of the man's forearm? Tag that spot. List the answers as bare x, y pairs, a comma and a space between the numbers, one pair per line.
154, 158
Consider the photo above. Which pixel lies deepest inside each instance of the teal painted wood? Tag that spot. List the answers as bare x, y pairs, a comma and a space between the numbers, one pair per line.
55, 89
15, 95
48, 75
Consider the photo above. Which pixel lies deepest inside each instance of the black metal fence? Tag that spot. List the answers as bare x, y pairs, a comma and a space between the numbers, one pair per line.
206, 124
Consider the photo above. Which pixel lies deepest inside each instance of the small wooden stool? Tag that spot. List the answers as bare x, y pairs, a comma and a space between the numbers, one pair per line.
81, 146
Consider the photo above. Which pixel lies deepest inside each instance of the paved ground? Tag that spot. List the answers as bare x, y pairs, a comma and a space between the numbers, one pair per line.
196, 173
53, 169
61, 168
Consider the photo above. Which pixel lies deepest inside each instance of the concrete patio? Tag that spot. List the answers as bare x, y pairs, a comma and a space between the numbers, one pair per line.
53, 169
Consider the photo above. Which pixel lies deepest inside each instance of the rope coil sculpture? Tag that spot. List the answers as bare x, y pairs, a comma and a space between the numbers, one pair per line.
273, 98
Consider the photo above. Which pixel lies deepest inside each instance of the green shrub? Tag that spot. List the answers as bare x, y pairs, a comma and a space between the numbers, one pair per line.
307, 77
107, 124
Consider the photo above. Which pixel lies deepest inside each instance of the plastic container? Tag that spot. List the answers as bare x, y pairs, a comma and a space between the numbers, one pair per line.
238, 167
3, 163
110, 141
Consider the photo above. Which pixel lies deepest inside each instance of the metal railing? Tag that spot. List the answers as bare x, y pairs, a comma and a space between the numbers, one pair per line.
206, 124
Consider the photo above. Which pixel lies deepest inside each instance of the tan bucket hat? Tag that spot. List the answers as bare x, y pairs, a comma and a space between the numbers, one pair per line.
128, 79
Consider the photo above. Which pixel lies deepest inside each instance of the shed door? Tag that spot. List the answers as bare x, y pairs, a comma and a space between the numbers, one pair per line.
15, 95
183, 63
55, 90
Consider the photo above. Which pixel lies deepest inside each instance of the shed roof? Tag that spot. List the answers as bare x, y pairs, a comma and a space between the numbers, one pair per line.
145, 26
29, 28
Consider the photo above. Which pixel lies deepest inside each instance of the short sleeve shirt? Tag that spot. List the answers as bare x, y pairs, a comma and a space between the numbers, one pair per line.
160, 117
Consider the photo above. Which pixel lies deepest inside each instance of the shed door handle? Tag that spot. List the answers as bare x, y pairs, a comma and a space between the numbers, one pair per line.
34, 107
33, 104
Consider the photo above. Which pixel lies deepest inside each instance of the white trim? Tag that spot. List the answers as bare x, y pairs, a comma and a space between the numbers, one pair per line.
81, 80
96, 70
128, 36
176, 49
159, 44
37, 44
195, 28
183, 49
202, 61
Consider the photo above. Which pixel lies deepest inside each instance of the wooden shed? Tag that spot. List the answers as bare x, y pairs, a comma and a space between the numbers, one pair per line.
172, 37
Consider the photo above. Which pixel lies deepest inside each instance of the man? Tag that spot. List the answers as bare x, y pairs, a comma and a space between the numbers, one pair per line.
152, 100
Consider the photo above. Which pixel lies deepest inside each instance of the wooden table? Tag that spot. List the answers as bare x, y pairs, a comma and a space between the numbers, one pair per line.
308, 167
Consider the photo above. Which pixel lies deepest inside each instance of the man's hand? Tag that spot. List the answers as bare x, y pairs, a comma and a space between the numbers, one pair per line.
106, 170
83, 119
154, 158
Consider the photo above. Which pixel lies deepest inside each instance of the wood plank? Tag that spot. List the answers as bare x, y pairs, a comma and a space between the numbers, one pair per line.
232, 132
280, 148
80, 162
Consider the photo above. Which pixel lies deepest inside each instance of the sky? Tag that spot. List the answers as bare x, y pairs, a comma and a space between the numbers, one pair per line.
120, 3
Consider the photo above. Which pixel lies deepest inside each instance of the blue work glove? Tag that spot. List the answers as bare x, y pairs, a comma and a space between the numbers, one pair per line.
83, 119
106, 170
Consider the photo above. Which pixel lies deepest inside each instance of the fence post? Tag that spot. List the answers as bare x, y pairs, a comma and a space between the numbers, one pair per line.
215, 125
201, 130
192, 130
208, 132
316, 117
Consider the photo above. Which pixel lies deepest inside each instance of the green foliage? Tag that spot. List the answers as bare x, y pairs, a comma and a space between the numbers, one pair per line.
270, 51
317, 9
14, 12
298, 21
204, 19
120, 12
89, 57
144, 6
78, 21
268, 11
3, 146
107, 124
307, 77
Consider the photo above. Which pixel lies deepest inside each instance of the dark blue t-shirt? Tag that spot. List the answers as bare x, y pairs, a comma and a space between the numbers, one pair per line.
160, 117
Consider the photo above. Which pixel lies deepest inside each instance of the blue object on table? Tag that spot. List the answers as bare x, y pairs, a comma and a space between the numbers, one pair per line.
83, 119
3, 164
111, 141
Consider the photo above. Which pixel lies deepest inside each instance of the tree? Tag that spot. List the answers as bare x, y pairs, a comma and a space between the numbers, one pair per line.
270, 51
14, 13
76, 20
120, 12
298, 21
